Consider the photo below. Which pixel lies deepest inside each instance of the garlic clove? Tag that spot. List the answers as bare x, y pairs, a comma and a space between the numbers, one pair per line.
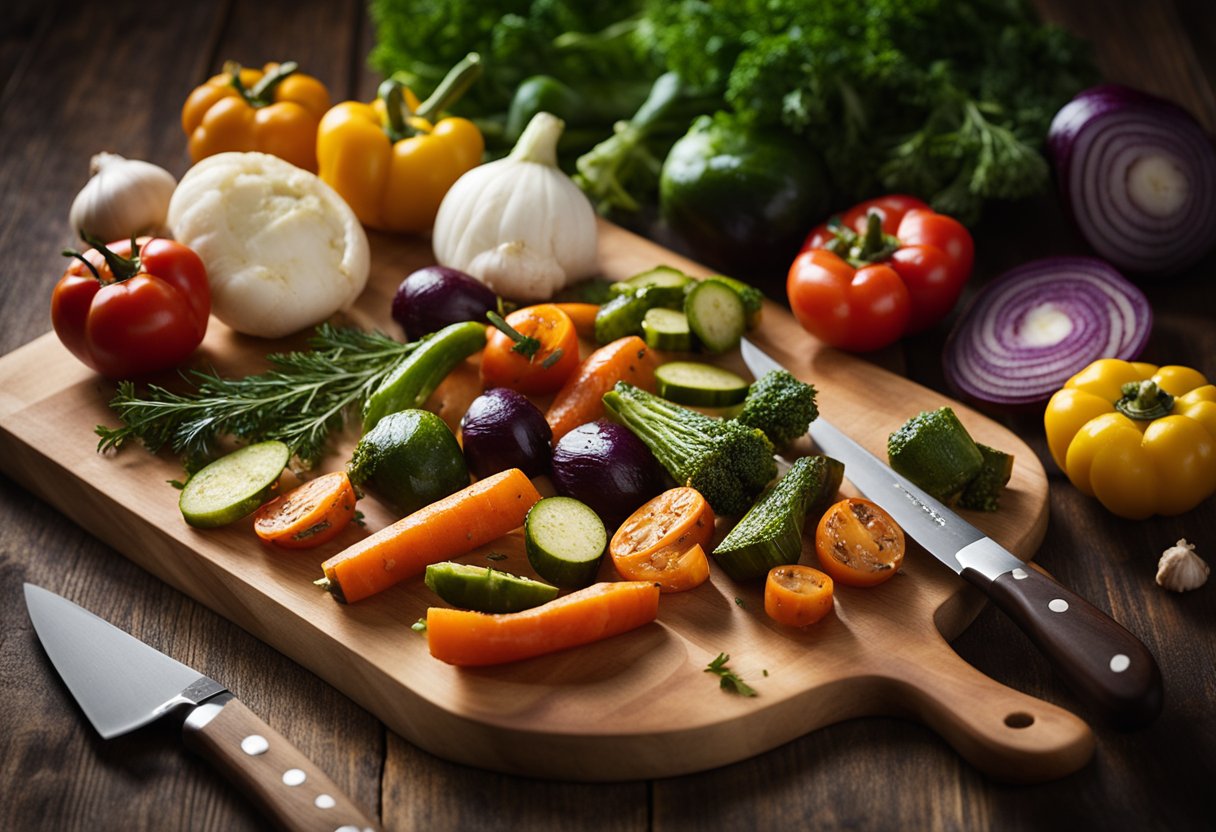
514, 269
1180, 569
123, 198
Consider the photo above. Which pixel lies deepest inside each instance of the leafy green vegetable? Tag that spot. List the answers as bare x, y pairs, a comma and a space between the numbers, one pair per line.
940, 98
299, 402
729, 680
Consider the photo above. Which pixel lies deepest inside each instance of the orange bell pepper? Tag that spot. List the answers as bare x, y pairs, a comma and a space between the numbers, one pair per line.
275, 110
391, 160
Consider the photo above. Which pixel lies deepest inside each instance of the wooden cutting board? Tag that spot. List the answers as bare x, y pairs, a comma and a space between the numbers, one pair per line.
635, 706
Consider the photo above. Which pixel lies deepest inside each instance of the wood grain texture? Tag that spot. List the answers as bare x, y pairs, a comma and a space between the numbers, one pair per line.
522, 718
873, 773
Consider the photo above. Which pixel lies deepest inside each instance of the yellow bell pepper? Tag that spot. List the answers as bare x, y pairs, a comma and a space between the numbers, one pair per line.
1140, 438
390, 160
275, 110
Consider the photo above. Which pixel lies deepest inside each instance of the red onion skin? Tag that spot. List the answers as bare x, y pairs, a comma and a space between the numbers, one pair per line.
1086, 111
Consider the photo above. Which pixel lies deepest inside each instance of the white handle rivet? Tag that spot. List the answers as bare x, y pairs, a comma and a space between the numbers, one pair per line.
1057, 605
1019, 574
294, 777
324, 801
1120, 663
255, 744
347, 829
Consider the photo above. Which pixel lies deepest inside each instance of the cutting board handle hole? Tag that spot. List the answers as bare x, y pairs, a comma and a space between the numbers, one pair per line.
1019, 719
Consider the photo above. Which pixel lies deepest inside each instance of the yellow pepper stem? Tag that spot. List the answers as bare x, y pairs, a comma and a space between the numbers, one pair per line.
1144, 400
455, 84
262, 93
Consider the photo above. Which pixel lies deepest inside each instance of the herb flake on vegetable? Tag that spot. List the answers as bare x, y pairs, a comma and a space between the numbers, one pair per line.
729, 680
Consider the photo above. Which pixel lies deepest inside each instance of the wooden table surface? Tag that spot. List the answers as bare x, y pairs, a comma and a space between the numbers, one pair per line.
83, 77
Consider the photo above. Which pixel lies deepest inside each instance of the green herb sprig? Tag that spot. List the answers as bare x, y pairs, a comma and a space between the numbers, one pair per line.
299, 402
729, 680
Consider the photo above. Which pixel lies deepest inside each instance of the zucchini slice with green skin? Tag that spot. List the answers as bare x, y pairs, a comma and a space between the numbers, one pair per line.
565, 541
715, 315
753, 298
770, 534
671, 283
699, 385
486, 589
666, 329
233, 486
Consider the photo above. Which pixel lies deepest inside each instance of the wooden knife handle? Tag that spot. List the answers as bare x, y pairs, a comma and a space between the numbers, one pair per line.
269, 769
1102, 662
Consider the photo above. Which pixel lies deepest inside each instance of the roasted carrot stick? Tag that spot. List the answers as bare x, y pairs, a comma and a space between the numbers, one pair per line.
581, 398
471, 639
582, 315
459, 523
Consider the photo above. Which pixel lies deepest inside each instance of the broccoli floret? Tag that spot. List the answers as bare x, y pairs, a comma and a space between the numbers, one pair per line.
728, 462
780, 405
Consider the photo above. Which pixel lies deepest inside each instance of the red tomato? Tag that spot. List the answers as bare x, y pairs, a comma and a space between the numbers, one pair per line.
931, 253
538, 361
854, 309
128, 317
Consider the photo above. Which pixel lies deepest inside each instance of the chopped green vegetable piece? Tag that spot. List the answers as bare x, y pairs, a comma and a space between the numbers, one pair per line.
984, 490
780, 405
729, 680
934, 450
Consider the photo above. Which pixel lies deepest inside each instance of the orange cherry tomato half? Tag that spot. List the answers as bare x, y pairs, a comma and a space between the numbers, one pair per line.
664, 541
858, 543
674, 569
541, 362
797, 595
308, 516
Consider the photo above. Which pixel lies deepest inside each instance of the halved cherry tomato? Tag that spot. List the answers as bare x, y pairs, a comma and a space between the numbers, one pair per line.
674, 568
797, 595
664, 541
538, 357
858, 543
308, 516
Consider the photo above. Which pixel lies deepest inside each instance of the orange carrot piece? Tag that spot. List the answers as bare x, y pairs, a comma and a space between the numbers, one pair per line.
474, 639
581, 398
582, 315
447, 528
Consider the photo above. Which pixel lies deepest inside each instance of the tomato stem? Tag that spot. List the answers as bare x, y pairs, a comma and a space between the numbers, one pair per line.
525, 345
872, 246
67, 252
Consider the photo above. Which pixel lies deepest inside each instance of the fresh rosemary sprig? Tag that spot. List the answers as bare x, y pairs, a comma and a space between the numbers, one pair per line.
306, 395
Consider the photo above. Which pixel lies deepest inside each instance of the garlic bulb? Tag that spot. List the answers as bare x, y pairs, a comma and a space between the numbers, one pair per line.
519, 225
123, 197
1181, 569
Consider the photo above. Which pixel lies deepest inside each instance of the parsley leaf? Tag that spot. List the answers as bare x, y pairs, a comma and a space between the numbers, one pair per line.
729, 680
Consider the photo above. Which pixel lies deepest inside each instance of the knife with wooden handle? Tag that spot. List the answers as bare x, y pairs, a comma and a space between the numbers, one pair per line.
122, 684
1104, 664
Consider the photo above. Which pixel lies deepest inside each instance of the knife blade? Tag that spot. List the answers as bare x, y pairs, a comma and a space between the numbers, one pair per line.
122, 684
1103, 663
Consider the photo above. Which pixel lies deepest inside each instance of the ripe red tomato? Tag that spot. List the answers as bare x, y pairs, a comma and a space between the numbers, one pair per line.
128, 316
931, 254
854, 309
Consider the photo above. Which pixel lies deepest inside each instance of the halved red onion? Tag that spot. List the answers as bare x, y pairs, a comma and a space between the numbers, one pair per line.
1138, 175
1033, 328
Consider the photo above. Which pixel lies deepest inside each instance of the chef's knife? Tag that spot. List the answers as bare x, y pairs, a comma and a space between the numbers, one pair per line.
122, 684
1102, 662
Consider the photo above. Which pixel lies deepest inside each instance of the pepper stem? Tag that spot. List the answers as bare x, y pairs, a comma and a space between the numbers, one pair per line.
392, 93
1144, 400
871, 246
262, 93
455, 84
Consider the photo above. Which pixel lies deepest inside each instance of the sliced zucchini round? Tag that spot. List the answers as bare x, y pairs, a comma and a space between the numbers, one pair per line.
667, 329
715, 315
486, 589
565, 541
233, 486
699, 385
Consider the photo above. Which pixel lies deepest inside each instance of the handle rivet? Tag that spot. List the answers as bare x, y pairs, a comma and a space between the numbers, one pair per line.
324, 801
294, 777
1120, 663
1019, 574
1057, 605
255, 744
